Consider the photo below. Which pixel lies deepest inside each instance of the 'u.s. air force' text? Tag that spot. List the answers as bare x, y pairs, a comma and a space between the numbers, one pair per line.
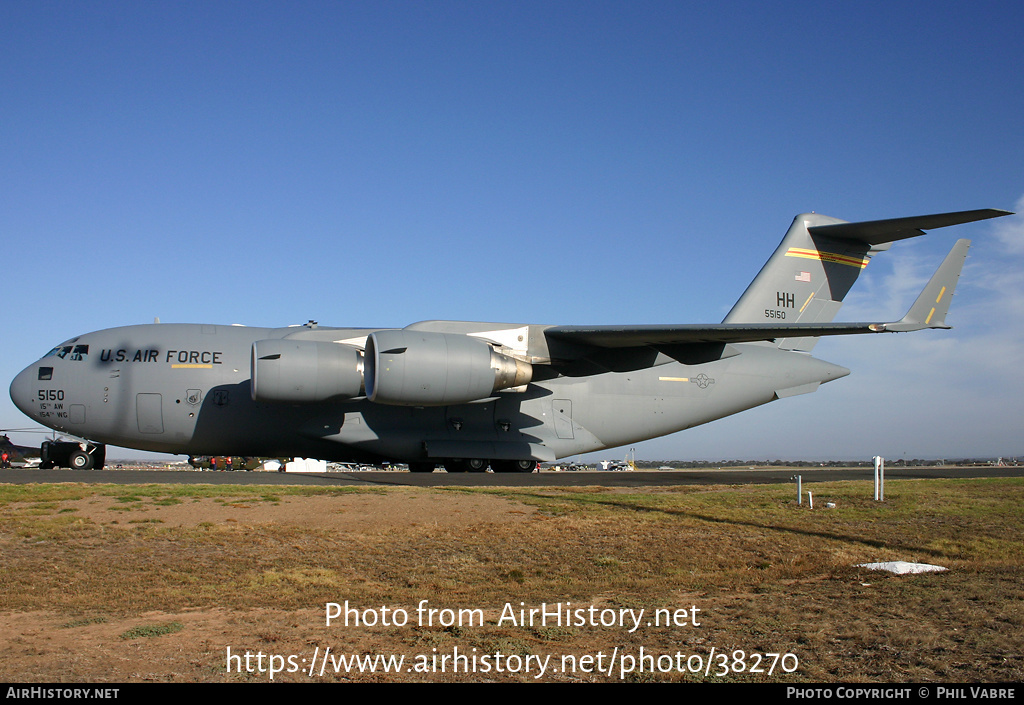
180, 357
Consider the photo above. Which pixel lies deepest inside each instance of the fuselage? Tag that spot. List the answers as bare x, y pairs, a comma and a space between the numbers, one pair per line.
187, 389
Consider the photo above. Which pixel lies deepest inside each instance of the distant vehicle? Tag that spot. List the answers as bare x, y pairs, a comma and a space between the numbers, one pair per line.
469, 395
627, 464
223, 462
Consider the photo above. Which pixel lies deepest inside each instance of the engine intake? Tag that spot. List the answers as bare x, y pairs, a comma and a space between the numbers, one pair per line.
304, 371
414, 368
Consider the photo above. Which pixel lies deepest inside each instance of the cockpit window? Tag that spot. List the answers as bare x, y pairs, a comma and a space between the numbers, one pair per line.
69, 352
45, 373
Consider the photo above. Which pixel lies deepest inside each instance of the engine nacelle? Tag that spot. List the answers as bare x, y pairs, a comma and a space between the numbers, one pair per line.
305, 371
414, 368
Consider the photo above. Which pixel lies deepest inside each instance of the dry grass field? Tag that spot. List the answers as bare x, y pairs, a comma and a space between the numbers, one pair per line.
226, 584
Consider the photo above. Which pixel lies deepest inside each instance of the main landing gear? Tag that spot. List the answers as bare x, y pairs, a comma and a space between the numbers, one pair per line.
477, 465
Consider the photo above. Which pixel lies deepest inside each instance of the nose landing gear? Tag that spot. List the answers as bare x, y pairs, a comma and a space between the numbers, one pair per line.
77, 455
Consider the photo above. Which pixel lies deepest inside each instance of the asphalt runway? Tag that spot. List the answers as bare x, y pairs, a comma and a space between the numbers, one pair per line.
660, 478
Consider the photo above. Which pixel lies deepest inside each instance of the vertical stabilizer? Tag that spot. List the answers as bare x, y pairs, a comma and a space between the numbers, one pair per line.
820, 258
805, 280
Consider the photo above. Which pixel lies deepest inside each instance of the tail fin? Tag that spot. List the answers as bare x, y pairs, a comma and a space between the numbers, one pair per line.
819, 259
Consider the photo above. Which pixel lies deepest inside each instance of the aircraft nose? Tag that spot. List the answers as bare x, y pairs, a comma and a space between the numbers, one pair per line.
21, 389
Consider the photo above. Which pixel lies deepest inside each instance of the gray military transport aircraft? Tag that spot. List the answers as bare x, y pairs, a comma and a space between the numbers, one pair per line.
470, 395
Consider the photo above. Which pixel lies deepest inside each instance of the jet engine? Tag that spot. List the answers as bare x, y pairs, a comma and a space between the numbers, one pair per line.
415, 368
304, 371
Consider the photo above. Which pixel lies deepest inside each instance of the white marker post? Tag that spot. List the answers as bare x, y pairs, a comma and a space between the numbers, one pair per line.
879, 478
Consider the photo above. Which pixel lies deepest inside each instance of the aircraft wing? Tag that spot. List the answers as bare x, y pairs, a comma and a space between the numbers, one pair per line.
655, 335
928, 311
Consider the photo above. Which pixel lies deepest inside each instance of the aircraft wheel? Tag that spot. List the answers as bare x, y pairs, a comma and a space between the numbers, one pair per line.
514, 465
455, 466
421, 467
525, 465
80, 460
476, 465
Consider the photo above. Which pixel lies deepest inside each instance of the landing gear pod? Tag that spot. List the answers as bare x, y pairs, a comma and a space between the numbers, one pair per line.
304, 371
414, 368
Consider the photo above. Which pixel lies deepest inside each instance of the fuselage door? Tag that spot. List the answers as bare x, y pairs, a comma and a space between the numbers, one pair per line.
149, 411
561, 412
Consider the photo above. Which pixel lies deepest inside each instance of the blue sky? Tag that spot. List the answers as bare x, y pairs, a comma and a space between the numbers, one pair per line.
378, 163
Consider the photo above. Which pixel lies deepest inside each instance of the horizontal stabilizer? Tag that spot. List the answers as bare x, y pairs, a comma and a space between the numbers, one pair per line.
876, 232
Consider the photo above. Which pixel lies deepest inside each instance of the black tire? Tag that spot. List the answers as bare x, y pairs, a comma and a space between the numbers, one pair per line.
455, 466
476, 464
514, 465
80, 460
421, 467
526, 465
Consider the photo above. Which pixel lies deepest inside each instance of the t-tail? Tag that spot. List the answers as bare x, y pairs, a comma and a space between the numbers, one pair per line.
820, 258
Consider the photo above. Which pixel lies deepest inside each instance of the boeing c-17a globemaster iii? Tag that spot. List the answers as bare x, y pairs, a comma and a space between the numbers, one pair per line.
467, 395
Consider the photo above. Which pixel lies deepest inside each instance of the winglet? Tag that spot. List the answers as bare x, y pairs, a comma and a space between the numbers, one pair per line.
929, 311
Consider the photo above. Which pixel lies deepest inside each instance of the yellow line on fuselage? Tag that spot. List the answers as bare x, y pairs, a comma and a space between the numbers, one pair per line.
673, 379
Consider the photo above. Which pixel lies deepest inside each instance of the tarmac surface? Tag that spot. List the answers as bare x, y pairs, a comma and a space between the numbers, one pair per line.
657, 478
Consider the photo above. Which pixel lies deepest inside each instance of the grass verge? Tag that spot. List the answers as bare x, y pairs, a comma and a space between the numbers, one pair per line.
766, 574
